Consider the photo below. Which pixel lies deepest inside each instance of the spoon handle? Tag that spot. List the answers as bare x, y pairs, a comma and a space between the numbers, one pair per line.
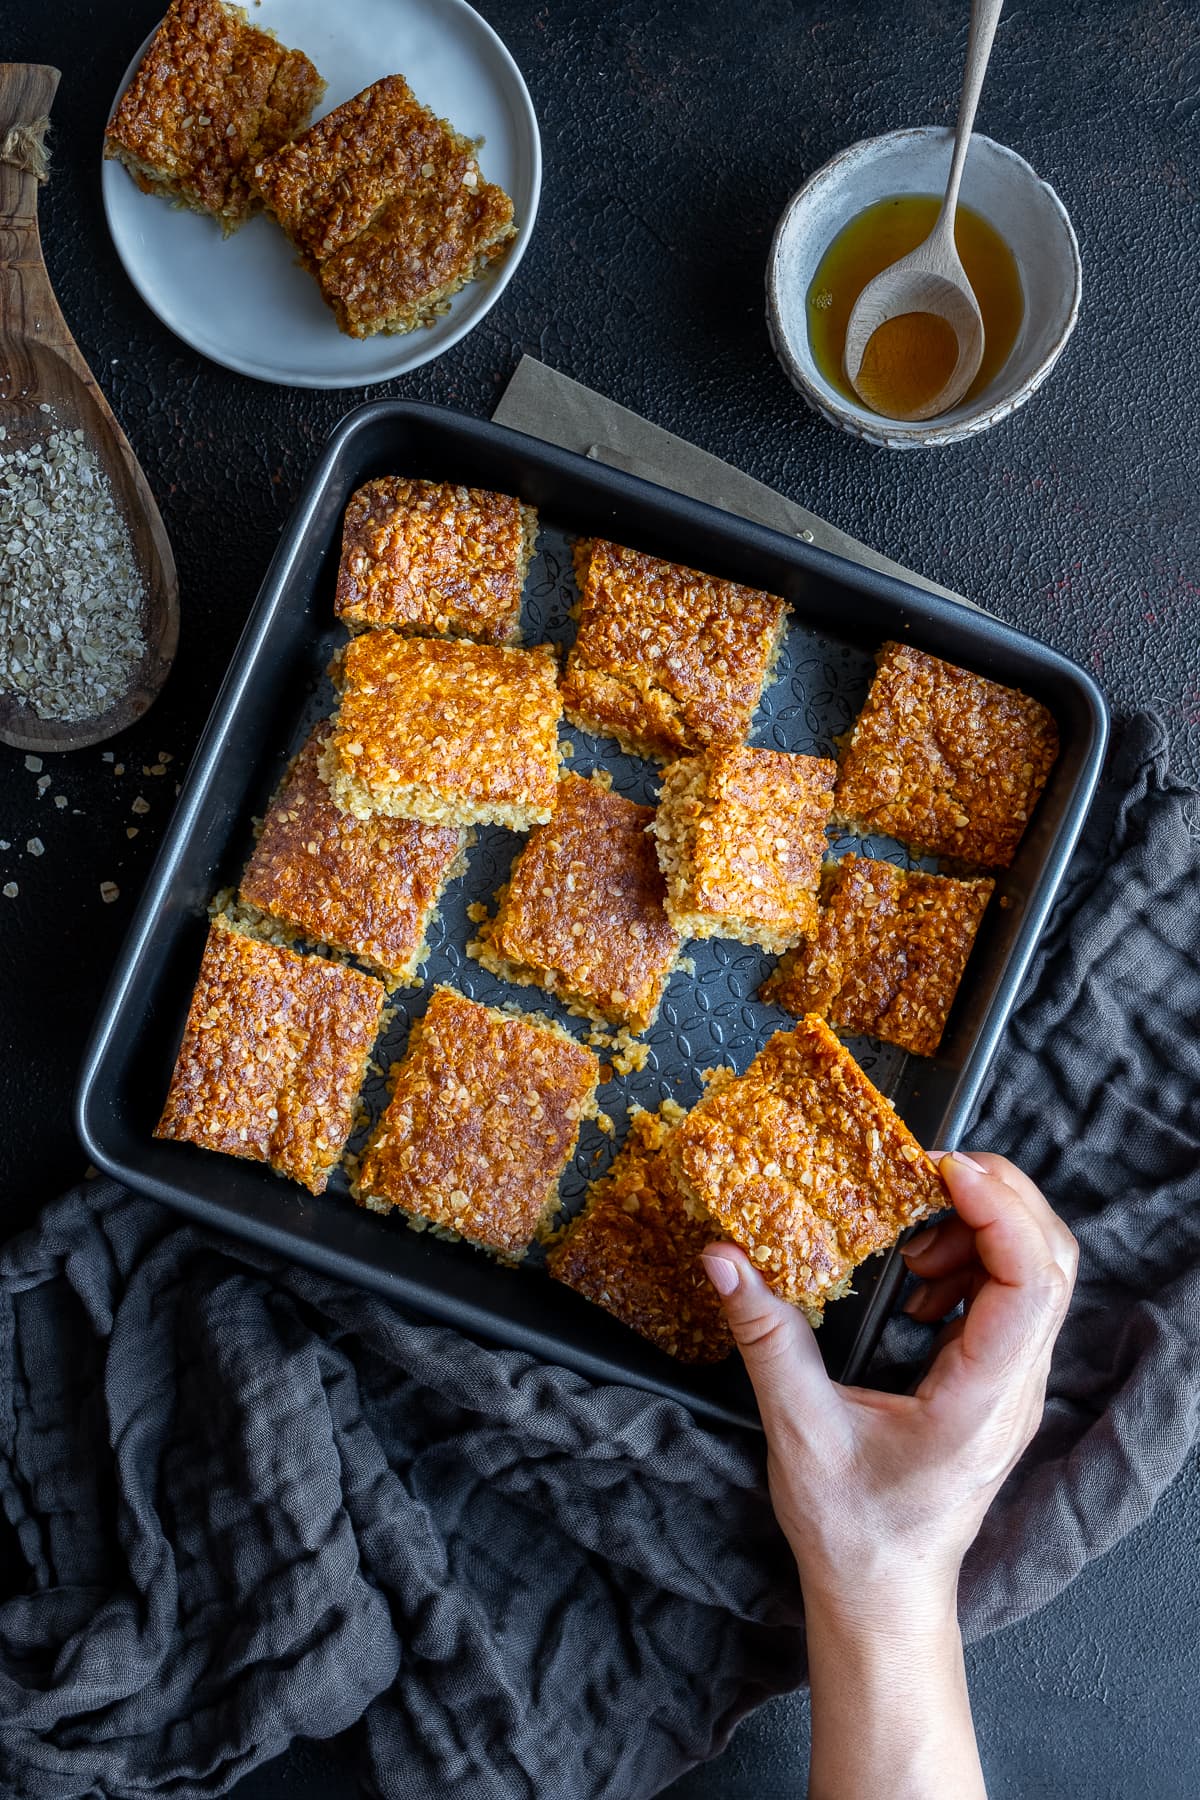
985, 16
43, 369
27, 303
26, 94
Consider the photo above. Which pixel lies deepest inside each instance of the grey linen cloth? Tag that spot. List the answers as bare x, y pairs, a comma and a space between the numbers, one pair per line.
245, 1503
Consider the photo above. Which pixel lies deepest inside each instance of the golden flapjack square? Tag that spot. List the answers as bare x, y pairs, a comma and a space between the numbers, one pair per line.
582, 914
389, 209
741, 839
666, 659
805, 1164
273, 1055
635, 1250
370, 887
888, 955
484, 1117
949, 762
443, 730
211, 97
435, 559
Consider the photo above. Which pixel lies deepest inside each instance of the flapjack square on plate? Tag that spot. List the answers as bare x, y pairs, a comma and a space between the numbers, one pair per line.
211, 97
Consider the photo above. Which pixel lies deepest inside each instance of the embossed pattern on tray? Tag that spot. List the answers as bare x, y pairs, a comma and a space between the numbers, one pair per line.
710, 1013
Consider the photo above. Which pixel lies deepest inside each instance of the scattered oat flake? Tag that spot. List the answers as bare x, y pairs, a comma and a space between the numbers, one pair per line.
36, 847
71, 593
33, 764
11, 890
60, 800
131, 831
106, 756
43, 783
109, 891
119, 769
140, 805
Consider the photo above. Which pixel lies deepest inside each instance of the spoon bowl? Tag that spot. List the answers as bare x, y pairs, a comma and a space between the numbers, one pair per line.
913, 286
45, 385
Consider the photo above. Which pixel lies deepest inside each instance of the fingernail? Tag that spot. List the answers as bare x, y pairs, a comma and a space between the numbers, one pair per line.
920, 1243
968, 1162
723, 1274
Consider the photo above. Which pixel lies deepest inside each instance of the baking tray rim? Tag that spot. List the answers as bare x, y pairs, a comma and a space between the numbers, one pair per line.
924, 607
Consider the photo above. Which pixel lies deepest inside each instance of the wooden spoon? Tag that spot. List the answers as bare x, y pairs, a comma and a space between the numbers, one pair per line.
931, 278
41, 364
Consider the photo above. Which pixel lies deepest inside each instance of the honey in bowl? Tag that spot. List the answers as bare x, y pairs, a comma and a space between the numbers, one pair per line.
910, 358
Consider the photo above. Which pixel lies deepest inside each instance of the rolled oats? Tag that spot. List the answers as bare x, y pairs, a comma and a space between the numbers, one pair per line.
72, 598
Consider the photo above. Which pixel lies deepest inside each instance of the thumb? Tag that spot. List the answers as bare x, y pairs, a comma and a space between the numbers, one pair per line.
778, 1345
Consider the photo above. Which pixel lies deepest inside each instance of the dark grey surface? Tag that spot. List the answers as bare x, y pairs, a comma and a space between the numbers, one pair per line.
673, 135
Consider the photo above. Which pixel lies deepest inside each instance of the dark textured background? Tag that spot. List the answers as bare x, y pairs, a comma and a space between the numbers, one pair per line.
673, 135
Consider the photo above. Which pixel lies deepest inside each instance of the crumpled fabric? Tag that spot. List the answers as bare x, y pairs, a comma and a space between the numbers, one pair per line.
245, 1503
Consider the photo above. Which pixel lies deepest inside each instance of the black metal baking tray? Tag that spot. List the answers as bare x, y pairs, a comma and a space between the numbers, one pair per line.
276, 686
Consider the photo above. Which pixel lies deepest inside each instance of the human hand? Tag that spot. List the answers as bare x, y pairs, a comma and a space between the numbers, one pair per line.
880, 1494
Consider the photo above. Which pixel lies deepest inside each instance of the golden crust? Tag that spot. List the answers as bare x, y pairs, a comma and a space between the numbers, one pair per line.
889, 955
388, 208
422, 249
451, 732
431, 558
328, 185
366, 886
805, 1165
484, 1117
273, 1055
210, 97
948, 762
634, 1250
741, 837
582, 915
666, 659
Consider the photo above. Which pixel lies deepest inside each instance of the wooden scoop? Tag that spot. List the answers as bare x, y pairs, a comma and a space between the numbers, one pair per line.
41, 364
931, 278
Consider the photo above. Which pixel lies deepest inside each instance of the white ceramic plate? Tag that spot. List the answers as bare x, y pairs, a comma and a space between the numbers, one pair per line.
244, 301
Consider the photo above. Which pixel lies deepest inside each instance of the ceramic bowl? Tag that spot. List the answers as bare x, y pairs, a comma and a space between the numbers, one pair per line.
998, 183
